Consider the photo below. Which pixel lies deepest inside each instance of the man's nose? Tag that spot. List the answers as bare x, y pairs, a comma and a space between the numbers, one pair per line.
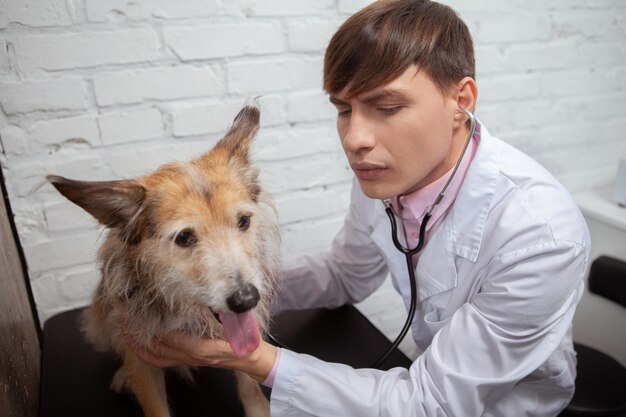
358, 134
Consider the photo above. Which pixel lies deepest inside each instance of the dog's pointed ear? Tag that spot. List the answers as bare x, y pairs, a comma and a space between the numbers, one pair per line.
112, 203
241, 132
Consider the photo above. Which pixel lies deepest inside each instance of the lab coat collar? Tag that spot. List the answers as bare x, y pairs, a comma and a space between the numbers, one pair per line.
469, 212
460, 233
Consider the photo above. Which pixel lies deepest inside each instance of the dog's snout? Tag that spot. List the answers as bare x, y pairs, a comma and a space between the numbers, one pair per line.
246, 297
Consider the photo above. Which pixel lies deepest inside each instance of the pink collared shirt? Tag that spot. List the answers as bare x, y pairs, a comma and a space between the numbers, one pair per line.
413, 207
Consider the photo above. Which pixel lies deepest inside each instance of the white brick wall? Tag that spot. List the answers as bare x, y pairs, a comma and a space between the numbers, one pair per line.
97, 89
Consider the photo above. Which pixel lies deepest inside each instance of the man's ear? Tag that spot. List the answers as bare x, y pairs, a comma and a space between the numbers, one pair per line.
239, 136
466, 95
113, 203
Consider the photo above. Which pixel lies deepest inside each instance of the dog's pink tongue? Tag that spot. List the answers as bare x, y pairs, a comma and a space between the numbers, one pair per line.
241, 331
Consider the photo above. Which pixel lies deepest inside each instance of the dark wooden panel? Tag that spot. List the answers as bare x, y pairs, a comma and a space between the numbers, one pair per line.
19, 346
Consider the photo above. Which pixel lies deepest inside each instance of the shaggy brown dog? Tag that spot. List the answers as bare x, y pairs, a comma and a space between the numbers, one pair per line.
188, 244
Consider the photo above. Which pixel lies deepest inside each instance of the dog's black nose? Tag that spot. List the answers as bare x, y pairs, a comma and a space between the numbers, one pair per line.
245, 298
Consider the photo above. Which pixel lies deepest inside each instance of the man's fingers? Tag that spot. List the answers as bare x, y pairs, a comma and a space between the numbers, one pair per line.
176, 348
149, 356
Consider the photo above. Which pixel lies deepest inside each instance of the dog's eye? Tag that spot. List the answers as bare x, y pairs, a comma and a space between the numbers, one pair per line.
185, 239
244, 223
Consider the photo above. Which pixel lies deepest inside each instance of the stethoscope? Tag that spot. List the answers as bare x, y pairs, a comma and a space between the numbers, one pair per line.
408, 253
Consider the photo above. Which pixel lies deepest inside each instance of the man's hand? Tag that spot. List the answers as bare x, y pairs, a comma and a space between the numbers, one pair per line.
178, 349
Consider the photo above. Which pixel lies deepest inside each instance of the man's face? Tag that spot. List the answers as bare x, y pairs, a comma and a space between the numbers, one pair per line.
399, 137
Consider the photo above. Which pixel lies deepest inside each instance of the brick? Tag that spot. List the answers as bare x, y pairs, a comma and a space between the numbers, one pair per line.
576, 82
310, 35
216, 117
28, 220
536, 57
144, 159
603, 54
5, 63
561, 136
57, 131
28, 177
588, 24
115, 10
50, 95
504, 87
13, 140
514, 27
190, 120
86, 49
45, 293
313, 204
78, 285
582, 158
305, 173
309, 107
352, 6
287, 7
272, 110
490, 60
172, 83
62, 215
512, 115
130, 126
36, 13
601, 107
225, 40
62, 252
274, 75
276, 144
318, 234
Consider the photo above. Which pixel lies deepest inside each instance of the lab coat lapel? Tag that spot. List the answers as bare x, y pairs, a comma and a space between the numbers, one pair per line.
436, 271
462, 231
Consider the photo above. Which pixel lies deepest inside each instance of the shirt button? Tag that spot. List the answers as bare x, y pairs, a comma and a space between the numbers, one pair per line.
415, 235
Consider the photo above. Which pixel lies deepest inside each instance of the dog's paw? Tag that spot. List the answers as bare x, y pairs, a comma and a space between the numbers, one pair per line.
120, 381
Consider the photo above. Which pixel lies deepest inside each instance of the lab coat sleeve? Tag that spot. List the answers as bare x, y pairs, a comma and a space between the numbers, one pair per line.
508, 330
353, 268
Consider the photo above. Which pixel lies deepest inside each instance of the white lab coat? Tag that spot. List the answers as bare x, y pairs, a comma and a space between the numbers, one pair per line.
498, 283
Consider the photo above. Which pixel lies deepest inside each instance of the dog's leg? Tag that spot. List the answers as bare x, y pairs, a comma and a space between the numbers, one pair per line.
254, 402
148, 385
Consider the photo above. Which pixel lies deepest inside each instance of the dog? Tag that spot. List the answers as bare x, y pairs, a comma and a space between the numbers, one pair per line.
192, 247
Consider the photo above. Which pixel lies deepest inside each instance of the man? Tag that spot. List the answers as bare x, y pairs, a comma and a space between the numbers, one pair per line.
505, 252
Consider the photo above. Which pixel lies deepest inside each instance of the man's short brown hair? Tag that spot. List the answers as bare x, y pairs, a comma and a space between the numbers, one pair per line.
377, 44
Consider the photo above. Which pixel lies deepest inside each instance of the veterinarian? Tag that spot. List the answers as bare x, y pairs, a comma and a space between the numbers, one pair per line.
505, 250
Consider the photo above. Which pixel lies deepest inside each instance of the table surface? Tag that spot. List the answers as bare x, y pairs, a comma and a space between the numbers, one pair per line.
75, 378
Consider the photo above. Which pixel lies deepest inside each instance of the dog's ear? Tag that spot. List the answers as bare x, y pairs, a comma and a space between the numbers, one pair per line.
241, 132
113, 203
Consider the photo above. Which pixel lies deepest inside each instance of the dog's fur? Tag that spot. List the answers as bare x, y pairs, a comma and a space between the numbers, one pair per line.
182, 244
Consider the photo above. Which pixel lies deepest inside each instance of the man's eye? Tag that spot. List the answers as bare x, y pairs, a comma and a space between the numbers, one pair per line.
344, 113
389, 109
185, 239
